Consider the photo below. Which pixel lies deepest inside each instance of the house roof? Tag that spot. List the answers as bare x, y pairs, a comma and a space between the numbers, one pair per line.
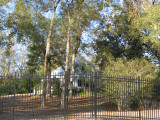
57, 71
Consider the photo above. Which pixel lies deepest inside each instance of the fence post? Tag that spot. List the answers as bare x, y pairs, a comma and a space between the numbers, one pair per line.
95, 96
139, 97
92, 77
14, 93
65, 95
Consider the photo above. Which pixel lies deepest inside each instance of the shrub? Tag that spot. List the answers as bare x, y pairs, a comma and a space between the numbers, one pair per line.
124, 90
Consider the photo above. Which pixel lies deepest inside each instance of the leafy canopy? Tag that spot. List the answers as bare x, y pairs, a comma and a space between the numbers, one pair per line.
134, 67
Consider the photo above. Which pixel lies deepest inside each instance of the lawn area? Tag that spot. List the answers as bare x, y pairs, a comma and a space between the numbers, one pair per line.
29, 106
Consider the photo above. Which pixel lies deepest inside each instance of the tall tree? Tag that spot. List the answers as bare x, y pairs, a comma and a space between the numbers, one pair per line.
6, 41
3, 17
83, 13
123, 29
47, 54
29, 25
67, 55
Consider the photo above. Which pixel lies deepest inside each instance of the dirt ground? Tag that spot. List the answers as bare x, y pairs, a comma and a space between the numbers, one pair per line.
28, 106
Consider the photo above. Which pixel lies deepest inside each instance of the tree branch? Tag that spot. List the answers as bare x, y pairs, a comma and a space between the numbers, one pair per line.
55, 6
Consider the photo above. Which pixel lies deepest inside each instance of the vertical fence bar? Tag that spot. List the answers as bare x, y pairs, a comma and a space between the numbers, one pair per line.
139, 98
14, 95
65, 95
95, 96
92, 75
65, 112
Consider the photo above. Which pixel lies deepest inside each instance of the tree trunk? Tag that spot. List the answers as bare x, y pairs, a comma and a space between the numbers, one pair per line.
67, 61
119, 107
44, 81
47, 56
72, 75
75, 51
49, 79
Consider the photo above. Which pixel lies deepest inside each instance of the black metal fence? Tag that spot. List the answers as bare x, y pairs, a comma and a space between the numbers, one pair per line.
94, 96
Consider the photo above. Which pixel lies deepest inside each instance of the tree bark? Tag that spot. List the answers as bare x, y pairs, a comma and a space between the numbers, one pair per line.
75, 51
68, 43
67, 60
49, 79
72, 75
47, 55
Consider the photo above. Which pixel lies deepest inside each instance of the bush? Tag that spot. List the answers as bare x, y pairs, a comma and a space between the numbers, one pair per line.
124, 90
131, 68
22, 84
7, 87
155, 90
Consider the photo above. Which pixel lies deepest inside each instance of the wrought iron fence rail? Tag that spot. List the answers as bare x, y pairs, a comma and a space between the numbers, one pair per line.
94, 96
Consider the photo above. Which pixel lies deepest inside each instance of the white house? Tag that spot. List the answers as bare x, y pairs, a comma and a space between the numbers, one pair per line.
58, 74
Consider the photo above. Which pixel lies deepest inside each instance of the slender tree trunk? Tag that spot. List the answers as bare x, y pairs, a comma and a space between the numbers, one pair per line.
46, 61
72, 75
68, 43
67, 61
75, 51
47, 55
49, 79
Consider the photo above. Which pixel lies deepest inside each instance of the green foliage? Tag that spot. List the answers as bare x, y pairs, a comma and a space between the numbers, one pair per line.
4, 2
121, 97
128, 32
28, 24
128, 92
149, 22
55, 87
20, 84
122, 41
125, 88
155, 90
107, 51
136, 67
7, 87
4, 39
